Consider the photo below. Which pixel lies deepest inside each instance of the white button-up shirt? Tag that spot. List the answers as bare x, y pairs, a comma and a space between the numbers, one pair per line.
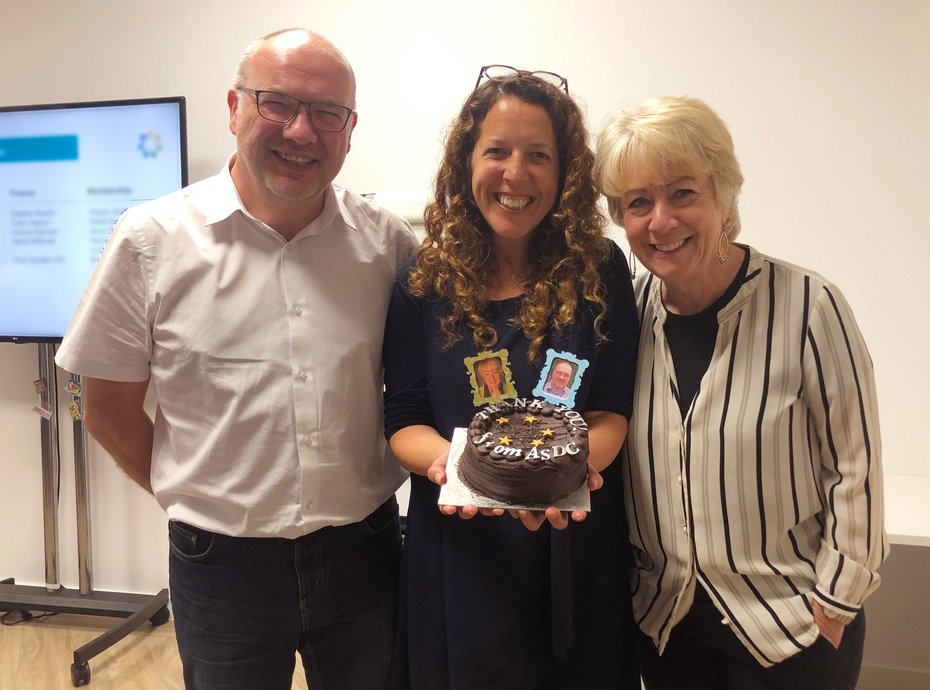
264, 355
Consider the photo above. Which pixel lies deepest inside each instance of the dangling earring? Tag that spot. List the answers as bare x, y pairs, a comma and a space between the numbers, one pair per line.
723, 253
632, 264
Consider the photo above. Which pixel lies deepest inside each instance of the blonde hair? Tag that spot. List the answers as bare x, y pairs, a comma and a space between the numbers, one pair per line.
673, 133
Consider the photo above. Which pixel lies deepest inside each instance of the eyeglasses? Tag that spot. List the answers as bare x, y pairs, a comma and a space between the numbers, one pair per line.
281, 108
505, 71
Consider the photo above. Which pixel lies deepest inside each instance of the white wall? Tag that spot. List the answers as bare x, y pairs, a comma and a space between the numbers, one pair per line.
829, 104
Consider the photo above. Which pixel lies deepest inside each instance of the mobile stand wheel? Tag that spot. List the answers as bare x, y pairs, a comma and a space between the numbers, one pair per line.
80, 674
160, 617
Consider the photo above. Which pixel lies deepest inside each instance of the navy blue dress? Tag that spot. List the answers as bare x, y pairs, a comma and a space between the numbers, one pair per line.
485, 603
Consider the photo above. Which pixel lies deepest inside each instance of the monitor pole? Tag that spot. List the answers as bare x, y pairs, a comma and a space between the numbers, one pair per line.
134, 608
51, 460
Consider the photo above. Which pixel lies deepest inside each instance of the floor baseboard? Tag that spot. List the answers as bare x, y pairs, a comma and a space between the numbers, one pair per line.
882, 678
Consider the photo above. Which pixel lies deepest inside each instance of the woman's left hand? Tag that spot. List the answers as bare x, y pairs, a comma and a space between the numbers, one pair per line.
559, 519
437, 474
830, 628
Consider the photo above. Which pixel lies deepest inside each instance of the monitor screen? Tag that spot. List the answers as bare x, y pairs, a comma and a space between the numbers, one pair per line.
67, 172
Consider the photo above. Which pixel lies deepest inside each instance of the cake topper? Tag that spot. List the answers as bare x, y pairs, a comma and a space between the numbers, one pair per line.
560, 378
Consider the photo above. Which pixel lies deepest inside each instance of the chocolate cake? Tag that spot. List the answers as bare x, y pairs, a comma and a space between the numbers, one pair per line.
525, 451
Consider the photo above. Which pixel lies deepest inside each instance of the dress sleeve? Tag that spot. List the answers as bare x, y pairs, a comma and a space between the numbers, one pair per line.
840, 391
406, 385
612, 386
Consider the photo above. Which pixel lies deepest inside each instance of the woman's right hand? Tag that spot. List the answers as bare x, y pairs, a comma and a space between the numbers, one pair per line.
437, 474
559, 519
830, 628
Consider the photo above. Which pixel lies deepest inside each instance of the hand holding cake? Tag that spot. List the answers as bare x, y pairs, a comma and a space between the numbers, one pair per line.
437, 474
528, 456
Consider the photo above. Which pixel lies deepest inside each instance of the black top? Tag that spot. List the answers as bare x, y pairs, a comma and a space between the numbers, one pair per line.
691, 340
486, 602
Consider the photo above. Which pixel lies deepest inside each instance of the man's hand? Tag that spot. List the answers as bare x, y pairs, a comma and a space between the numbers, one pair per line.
115, 416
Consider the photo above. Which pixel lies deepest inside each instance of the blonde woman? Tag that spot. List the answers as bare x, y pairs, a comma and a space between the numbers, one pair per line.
753, 481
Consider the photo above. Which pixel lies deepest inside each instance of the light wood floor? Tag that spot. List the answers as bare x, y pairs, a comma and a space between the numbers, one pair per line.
37, 655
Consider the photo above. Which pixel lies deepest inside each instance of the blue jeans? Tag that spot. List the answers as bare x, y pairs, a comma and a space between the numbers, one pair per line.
243, 606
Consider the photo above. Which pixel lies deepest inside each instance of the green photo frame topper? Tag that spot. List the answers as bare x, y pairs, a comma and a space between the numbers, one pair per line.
490, 377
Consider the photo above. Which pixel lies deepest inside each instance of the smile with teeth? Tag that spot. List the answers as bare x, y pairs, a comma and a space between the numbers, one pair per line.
513, 202
291, 158
670, 247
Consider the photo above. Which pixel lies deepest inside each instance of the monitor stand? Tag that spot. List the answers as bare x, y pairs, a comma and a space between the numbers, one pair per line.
134, 608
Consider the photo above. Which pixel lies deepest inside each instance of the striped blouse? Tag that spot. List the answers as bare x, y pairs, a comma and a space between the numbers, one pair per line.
769, 491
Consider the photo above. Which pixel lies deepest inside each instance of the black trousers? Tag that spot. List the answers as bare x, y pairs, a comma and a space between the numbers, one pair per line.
704, 654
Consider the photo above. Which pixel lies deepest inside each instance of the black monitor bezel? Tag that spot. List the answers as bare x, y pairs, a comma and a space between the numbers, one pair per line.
180, 101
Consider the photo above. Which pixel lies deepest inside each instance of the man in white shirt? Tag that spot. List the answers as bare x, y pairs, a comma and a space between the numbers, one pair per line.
253, 303
559, 377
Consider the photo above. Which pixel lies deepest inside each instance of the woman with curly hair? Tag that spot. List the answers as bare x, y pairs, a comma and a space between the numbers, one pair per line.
515, 267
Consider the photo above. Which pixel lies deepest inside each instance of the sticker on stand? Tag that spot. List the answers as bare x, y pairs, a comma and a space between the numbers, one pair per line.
560, 378
490, 377
41, 385
43, 412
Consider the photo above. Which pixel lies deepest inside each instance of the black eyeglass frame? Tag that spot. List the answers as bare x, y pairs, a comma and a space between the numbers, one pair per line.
483, 74
256, 93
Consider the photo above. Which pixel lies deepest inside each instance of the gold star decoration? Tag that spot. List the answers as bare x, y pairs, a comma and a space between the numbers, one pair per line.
504, 440
530, 419
503, 420
547, 433
537, 442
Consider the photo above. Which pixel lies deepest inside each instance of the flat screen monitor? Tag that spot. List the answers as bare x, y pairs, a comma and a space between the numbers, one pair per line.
67, 172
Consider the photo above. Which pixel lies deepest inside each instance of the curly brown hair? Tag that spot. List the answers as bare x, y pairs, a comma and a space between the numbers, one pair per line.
456, 261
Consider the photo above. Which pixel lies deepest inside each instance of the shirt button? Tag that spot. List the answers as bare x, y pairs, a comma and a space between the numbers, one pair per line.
680, 480
684, 528
725, 621
297, 311
301, 374
308, 505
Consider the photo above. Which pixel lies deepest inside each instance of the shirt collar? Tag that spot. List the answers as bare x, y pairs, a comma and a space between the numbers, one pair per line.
336, 202
334, 213
224, 201
745, 292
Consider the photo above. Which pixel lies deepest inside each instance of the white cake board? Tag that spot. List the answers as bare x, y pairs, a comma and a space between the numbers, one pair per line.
456, 493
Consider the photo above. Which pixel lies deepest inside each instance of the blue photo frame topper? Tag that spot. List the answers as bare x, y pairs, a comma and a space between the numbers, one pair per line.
553, 373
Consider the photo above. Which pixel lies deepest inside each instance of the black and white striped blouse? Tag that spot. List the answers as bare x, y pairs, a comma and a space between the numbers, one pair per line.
769, 491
